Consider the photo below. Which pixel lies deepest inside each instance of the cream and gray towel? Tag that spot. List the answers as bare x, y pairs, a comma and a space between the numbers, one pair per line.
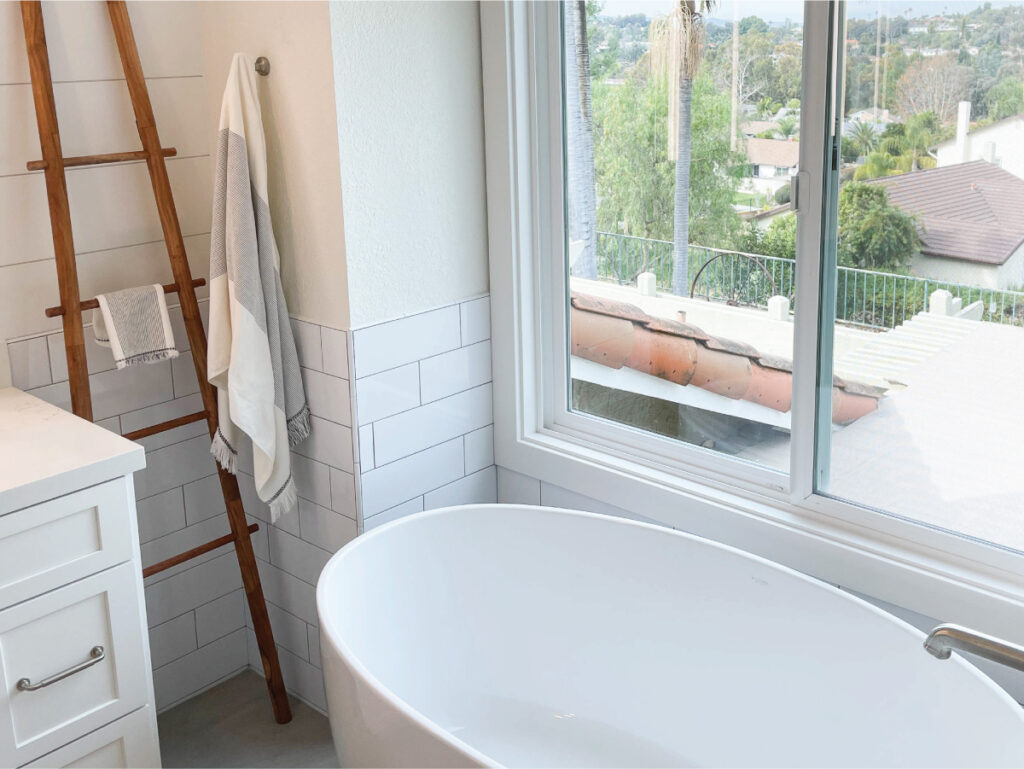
251, 356
133, 323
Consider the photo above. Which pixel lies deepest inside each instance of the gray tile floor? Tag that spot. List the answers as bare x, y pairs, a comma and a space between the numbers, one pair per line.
231, 725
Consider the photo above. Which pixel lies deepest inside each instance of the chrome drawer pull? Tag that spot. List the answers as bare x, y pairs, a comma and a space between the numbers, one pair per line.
96, 654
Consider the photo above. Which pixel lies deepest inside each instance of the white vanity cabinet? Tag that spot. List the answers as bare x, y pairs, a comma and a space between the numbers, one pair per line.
75, 681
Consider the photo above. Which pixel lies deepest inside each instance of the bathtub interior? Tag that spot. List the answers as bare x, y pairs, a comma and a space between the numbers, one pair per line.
547, 638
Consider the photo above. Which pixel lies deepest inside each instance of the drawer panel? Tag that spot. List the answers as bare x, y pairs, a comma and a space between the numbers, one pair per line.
54, 633
50, 544
128, 742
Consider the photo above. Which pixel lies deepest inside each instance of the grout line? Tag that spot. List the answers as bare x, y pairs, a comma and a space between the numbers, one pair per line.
97, 251
431, 403
456, 303
179, 573
98, 165
407, 363
106, 80
206, 687
199, 606
220, 638
437, 488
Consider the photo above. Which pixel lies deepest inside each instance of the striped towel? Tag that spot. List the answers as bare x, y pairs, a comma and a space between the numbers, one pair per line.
133, 323
251, 357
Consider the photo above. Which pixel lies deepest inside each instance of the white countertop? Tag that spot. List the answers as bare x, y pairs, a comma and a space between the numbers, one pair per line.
46, 452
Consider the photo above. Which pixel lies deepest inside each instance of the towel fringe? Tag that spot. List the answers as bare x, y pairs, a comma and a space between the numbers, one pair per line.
299, 426
227, 458
284, 501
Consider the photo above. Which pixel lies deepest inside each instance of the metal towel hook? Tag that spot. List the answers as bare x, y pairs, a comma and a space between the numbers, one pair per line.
263, 66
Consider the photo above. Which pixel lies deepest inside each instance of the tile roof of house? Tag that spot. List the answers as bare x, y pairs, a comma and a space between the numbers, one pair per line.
970, 211
766, 213
617, 334
755, 127
773, 152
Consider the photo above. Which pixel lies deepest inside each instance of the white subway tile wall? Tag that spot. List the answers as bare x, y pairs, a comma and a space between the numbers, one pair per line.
198, 617
424, 411
518, 489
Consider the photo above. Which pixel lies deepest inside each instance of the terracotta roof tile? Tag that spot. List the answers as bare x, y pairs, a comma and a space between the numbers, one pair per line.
617, 334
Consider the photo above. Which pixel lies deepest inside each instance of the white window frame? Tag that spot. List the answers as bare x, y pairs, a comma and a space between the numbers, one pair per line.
775, 515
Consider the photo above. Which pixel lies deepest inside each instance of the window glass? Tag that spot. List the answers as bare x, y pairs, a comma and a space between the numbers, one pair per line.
682, 132
927, 344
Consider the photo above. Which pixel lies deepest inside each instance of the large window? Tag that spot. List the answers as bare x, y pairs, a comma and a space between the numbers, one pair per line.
756, 272
682, 135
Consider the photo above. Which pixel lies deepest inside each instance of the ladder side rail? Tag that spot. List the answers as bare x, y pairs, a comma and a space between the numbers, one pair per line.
60, 210
197, 338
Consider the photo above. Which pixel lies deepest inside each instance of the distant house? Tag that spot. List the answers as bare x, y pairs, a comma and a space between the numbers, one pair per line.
971, 217
879, 118
999, 143
755, 128
772, 162
763, 219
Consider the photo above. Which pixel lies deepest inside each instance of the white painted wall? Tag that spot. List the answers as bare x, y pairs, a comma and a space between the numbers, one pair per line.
1006, 136
302, 140
407, 79
1010, 274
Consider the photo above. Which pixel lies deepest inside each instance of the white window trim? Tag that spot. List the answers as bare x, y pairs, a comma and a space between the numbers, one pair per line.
770, 514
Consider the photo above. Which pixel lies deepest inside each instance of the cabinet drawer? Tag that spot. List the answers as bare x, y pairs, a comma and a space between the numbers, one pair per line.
55, 633
50, 544
128, 742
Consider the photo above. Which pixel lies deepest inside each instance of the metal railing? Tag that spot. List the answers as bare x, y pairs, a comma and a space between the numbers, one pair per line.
879, 300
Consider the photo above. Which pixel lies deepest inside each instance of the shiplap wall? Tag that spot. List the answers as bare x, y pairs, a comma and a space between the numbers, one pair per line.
199, 629
116, 229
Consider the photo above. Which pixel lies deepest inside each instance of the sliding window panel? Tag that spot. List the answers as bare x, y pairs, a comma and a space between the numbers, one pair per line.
923, 336
682, 134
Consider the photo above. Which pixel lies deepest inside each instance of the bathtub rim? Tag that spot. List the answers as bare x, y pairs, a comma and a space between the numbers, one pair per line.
332, 635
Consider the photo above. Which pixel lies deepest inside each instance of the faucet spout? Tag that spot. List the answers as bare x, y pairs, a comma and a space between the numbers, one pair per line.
944, 639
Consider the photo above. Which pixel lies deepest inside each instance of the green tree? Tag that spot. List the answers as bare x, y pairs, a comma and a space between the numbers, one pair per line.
778, 239
634, 174
1005, 99
863, 136
636, 177
788, 127
873, 233
902, 147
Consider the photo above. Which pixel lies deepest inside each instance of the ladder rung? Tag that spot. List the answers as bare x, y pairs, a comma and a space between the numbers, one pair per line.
92, 304
188, 555
96, 160
170, 424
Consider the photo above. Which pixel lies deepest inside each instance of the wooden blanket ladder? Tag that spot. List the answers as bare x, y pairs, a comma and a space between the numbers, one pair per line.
71, 306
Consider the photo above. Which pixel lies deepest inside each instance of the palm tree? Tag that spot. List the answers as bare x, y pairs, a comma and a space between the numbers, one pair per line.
677, 44
788, 126
581, 177
863, 136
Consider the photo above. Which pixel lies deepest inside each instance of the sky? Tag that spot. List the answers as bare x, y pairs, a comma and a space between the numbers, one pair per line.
777, 11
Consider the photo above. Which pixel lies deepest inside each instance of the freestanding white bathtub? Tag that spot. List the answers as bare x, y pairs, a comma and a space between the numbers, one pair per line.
523, 636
